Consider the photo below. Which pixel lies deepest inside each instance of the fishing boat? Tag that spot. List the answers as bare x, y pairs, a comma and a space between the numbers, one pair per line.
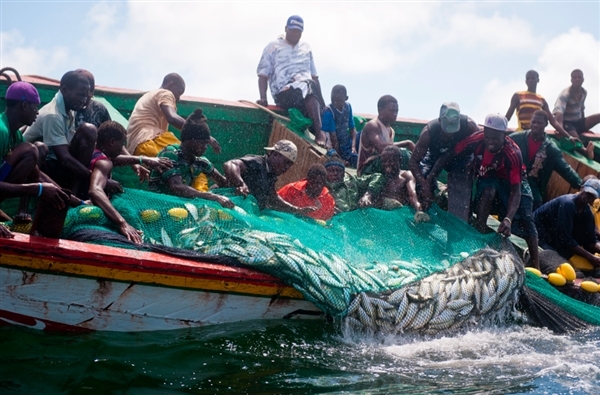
72, 286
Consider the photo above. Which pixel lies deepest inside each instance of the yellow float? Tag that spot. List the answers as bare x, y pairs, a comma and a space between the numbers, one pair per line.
149, 216
581, 263
557, 279
178, 214
567, 271
90, 212
533, 270
589, 286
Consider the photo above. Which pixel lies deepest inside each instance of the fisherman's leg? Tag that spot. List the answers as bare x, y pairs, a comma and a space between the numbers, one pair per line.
23, 160
81, 148
460, 185
591, 121
483, 207
42, 154
313, 108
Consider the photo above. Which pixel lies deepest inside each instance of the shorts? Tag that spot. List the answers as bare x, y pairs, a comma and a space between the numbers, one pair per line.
522, 223
5, 170
578, 126
294, 97
151, 148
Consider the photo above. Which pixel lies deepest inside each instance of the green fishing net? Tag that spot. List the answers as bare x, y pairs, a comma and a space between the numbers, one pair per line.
581, 310
329, 262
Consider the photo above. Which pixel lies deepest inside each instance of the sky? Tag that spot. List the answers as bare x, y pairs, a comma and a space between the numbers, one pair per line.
422, 52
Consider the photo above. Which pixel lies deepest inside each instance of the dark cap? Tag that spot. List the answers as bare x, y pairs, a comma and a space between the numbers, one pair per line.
295, 22
23, 91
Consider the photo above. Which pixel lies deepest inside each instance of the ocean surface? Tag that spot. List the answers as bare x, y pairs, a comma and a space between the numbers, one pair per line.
298, 357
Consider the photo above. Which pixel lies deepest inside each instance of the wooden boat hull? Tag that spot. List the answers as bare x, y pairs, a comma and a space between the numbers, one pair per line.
70, 286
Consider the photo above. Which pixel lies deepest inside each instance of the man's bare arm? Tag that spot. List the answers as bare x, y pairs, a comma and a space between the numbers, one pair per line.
98, 180
263, 83
514, 104
172, 117
233, 172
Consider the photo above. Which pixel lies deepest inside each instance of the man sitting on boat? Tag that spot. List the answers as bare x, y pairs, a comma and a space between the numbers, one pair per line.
311, 192
438, 137
566, 225
147, 133
19, 172
287, 66
541, 157
378, 134
69, 149
338, 123
525, 103
190, 172
257, 175
106, 155
93, 111
502, 186
394, 187
569, 109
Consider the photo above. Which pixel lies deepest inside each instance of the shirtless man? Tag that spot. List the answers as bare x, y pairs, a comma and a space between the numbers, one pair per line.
393, 187
378, 134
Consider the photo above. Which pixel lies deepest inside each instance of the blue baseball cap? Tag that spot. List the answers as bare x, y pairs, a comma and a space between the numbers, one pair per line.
295, 22
592, 186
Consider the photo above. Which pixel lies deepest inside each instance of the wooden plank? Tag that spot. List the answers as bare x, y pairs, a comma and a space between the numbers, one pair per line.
307, 154
557, 186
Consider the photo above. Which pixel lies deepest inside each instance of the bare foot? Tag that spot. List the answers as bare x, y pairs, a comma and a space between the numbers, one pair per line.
320, 139
590, 150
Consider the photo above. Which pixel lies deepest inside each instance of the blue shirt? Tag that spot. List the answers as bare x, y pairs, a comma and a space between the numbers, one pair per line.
339, 122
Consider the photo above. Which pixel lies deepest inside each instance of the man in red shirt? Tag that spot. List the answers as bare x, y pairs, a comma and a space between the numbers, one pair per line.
502, 186
311, 192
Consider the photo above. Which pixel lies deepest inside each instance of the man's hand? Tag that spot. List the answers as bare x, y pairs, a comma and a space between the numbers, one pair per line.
160, 164
142, 173
242, 190
54, 195
215, 145
365, 201
224, 201
5, 233
421, 216
112, 187
595, 261
262, 102
504, 228
131, 233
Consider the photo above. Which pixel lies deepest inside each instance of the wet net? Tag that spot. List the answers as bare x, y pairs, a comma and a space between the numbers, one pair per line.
330, 262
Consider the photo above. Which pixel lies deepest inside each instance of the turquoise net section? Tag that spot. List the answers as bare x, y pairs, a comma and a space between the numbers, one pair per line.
368, 250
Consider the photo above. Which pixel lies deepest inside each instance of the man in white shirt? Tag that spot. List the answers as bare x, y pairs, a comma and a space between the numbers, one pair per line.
287, 66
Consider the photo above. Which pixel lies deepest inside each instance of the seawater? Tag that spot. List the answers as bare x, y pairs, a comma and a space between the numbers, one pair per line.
298, 357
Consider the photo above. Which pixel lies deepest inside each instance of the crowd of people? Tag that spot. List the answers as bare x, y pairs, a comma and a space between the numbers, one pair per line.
64, 153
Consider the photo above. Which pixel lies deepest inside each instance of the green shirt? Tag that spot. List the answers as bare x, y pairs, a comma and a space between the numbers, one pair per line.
347, 193
548, 159
8, 141
160, 181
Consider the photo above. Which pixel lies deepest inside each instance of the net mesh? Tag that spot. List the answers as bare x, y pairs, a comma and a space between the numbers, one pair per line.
360, 251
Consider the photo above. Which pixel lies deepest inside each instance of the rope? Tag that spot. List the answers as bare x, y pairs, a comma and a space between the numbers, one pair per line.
274, 114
